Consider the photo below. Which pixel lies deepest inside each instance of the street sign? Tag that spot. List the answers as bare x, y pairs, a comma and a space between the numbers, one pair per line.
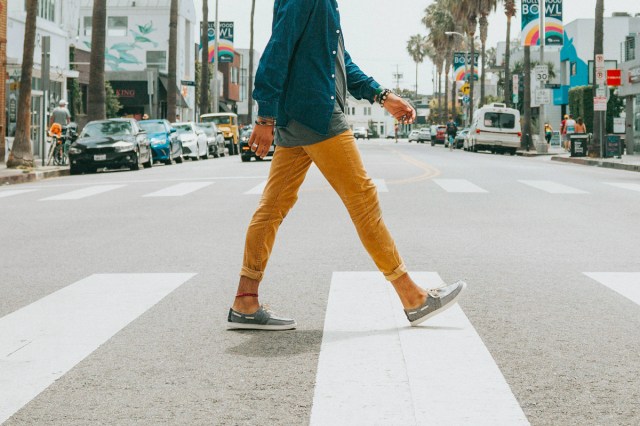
516, 81
600, 76
614, 77
466, 99
541, 73
188, 83
466, 88
600, 60
601, 92
516, 98
618, 125
600, 104
544, 96
552, 86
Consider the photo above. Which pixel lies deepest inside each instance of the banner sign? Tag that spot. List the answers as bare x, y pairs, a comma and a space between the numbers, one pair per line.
460, 59
554, 29
225, 41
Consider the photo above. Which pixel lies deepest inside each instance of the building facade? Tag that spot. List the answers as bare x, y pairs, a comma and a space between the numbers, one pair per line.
243, 103
361, 113
630, 88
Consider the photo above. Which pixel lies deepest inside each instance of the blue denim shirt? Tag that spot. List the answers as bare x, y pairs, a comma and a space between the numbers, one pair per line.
295, 78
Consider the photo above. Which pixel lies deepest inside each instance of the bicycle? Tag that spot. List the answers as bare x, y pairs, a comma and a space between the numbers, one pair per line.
59, 146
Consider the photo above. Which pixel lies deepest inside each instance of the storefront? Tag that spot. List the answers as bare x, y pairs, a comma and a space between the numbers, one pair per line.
630, 89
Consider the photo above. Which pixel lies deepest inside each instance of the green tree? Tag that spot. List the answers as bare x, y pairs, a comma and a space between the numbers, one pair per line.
486, 7
510, 11
112, 105
416, 47
21, 154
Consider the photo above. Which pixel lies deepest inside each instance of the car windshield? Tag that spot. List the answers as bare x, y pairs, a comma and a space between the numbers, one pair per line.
152, 127
107, 128
183, 128
218, 119
500, 120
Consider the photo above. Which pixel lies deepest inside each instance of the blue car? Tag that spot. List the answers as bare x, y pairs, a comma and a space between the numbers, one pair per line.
165, 144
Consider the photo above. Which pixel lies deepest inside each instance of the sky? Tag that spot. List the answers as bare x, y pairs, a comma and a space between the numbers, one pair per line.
376, 31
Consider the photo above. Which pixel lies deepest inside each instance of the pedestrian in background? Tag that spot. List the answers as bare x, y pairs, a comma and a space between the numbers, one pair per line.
301, 88
60, 114
563, 132
580, 126
548, 132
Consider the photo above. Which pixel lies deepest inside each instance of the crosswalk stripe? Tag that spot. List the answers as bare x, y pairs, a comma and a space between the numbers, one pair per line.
459, 185
257, 190
12, 192
552, 187
376, 369
44, 340
179, 189
625, 283
629, 186
381, 185
83, 193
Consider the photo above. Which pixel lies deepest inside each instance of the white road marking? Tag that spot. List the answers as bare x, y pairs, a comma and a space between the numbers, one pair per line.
629, 186
44, 340
257, 190
552, 187
459, 185
179, 189
12, 192
625, 283
381, 185
376, 369
83, 193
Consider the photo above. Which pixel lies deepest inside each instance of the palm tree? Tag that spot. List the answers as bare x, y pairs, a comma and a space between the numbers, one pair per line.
486, 7
598, 49
510, 11
416, 46
21, 153
204, 69
439, 21
172, 90
251, 65
96, 104
526, 141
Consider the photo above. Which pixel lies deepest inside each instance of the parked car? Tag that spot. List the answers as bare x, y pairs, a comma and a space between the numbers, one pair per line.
245, 151
228, 123
424, 135
215, 139
361, 133
113, 143
165, 144
413, 136
495, 128
194, 140
460, 138
441, 135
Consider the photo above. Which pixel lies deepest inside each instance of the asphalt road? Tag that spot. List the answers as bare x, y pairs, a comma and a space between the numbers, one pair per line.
523, 232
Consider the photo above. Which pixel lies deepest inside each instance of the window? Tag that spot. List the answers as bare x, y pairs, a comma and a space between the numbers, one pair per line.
117, 26
630, 49
87, 25
234, 75
499, 120
46, 9
157, 59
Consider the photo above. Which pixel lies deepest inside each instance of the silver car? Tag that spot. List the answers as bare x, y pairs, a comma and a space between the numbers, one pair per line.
194, 140
215, 139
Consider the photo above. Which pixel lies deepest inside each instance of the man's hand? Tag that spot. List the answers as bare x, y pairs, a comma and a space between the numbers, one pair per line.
400, 109
261, 140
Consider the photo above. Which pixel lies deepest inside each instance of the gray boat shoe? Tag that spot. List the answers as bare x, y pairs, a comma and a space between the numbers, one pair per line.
262, 319
438, 300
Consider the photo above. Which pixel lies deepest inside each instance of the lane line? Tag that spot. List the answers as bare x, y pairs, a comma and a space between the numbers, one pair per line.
459, 185
626, 284
12, 192
552, 187
381, 185
83, 193
376, 369
179, 189
44, 340
257, 190
629, 186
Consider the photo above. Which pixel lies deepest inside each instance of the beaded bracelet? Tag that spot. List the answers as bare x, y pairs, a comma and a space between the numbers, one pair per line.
382, 98
270, 122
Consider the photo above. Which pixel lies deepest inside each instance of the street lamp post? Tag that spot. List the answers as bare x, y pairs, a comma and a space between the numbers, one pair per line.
215, 62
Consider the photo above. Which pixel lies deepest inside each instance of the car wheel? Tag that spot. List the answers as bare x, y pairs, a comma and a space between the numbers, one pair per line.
148, 164
206, 153
75, 170
216, 153
135, 165
245, 158
197, 156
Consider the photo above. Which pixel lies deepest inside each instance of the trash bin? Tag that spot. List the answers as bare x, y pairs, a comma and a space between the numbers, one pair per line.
613, 146
579, 145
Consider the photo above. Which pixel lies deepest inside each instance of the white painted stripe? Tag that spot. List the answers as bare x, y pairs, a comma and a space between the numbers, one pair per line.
179, 189
376, 369
257, 190
552, 187
12, 192
381, 185
625, 283
459, 185
42, 341
84, 192
629, 186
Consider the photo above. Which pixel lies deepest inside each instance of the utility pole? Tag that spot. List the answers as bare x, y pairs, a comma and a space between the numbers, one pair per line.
398, 76
215, 62
543, 34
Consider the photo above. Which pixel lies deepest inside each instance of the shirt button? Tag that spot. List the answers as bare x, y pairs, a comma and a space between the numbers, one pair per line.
337, 31
333, 76
334, 52
333, 97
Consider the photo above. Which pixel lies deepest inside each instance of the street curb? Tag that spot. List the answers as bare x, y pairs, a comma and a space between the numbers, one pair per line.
598, 163
534, 154
33, 176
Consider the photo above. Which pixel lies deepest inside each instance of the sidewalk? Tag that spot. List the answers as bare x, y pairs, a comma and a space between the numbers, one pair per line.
627, 162
13, 176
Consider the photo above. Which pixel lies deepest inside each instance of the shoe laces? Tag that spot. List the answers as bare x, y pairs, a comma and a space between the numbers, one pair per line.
435, 292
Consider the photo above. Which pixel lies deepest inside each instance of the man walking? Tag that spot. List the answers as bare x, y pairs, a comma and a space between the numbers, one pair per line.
60, 115
452, 132
301, 86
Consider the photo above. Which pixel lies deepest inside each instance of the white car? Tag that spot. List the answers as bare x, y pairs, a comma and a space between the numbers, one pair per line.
413, 136
361, 132
215, 139
494, 128
194, 140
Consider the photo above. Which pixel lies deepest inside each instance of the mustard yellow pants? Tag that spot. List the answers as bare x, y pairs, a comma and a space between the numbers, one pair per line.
339, 161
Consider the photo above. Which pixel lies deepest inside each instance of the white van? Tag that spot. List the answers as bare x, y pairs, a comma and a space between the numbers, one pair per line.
494, 128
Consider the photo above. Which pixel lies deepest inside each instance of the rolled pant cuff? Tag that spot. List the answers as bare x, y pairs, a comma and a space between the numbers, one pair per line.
397, 273
251, 274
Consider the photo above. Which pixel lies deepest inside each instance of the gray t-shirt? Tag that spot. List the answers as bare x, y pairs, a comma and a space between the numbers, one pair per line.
60, 115
297, 134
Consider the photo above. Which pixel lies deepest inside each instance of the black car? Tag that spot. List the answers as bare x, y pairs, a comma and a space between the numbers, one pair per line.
245, 151
113, 143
